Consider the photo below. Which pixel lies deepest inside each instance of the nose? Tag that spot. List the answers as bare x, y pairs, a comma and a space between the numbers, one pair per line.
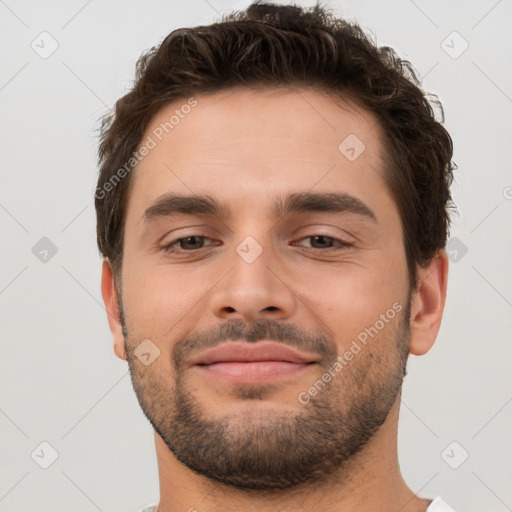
254, 288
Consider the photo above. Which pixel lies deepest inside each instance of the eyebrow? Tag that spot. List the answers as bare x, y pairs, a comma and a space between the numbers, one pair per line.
171, 204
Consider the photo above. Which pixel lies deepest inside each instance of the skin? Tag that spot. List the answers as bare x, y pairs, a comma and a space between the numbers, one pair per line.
245, 148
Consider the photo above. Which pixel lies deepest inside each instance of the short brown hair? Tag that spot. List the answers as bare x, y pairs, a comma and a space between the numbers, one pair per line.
271, 45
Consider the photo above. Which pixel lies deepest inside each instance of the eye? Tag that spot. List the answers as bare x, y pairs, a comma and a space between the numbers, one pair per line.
193, 243
187, 244
326, 243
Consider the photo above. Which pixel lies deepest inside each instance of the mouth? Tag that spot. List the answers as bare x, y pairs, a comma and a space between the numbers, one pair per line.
252, 363
253, 372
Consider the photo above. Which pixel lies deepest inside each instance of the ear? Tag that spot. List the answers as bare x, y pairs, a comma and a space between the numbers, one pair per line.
108, 292
428, 304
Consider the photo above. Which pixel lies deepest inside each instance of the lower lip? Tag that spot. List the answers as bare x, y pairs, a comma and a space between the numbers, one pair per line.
253, 371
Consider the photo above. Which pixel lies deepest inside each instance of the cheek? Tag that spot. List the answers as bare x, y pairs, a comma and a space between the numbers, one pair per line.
161, 302
347, 299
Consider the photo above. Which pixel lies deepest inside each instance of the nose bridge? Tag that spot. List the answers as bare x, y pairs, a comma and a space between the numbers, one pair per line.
253, 261
253, 287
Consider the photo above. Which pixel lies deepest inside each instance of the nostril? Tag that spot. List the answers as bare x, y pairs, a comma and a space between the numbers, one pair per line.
271, 308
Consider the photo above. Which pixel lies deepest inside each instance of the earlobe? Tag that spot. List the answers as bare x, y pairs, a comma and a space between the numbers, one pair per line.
108, 292
428, 304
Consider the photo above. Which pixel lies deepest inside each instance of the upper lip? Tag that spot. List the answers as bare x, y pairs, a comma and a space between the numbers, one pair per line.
251, 352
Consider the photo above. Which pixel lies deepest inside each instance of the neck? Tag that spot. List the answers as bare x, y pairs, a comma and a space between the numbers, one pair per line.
369, 481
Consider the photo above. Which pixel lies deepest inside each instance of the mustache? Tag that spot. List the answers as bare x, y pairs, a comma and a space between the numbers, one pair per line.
286, 334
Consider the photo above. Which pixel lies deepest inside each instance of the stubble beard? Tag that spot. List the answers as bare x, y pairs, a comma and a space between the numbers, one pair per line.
268, 449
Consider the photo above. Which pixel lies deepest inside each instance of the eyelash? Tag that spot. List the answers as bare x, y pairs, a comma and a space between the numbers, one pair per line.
342, 245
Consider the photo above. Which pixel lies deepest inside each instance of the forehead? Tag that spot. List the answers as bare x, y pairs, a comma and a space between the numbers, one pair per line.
278, 117
255, 142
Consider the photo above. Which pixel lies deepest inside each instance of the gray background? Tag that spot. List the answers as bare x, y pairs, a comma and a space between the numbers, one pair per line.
59, 379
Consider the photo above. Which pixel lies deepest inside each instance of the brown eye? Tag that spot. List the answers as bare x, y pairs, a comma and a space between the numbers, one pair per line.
188, 243
191, 242
321, 241
324, 243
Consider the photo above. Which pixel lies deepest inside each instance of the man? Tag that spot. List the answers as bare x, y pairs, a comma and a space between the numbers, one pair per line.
273, 206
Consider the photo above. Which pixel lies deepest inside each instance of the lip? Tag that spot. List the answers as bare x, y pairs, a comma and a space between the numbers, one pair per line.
245, 352
244, 363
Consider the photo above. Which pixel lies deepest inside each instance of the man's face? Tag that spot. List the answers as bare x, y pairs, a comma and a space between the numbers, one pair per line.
324, 282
